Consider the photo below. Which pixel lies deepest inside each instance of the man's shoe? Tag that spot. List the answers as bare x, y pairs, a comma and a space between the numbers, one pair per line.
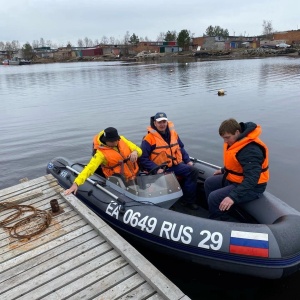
192, 206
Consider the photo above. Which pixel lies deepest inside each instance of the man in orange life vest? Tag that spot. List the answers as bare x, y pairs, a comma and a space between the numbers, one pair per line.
245, 173
163, 145
111, 151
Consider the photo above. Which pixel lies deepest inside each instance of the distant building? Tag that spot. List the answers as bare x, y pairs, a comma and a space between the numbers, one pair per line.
224, 43
99, 50
156, 47
291, 37
4, 54
44, 52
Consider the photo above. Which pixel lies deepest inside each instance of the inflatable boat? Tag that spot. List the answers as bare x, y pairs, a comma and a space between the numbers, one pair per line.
262, 237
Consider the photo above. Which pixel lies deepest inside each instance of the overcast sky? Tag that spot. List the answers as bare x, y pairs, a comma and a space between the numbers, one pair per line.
61, 21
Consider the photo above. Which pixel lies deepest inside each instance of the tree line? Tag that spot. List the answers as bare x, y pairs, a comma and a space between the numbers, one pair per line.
183, 39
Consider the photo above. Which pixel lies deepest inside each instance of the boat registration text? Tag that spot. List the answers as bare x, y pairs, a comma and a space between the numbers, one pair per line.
169, 230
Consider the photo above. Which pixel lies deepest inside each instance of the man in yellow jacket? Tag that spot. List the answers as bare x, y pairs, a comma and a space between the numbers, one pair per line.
114, 153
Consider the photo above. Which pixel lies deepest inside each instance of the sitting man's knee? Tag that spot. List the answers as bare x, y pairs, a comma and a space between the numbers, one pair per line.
194, 172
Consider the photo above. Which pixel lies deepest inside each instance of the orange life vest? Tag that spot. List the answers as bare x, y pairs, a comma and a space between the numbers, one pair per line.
115, 159
232, 166
164, 152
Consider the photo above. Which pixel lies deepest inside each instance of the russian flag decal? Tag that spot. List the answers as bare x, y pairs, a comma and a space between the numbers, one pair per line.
249, 243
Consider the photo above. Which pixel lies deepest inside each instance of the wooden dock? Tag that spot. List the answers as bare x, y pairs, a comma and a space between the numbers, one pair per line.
77, 257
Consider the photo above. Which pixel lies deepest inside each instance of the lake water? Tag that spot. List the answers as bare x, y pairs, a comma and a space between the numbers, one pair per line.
55, 110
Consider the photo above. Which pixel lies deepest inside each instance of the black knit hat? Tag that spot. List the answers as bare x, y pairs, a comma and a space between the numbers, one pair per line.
110, 135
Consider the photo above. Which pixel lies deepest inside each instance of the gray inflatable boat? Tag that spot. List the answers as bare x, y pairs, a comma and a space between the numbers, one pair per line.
262, 237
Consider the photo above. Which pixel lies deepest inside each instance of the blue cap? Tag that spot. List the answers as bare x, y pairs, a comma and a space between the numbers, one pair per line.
160, 116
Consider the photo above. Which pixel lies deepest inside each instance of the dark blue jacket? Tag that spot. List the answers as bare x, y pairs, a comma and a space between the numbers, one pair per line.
251, 158
144, 160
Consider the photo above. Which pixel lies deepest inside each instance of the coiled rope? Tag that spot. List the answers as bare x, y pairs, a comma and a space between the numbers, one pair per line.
29, 226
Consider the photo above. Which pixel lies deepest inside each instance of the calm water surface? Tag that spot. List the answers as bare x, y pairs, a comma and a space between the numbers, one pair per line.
55, 110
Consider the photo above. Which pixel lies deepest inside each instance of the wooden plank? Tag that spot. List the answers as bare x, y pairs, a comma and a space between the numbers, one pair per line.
12, 261
42, 182
57, 223
43, 238
122, 288
156, 297
156, 279
67, 212
41, 204
54, 251
23, 197
90, 249
38, 199
62, 275
80, 289
50, 269
144, 291
25, 184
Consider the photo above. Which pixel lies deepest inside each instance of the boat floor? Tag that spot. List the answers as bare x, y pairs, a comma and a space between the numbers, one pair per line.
201, 212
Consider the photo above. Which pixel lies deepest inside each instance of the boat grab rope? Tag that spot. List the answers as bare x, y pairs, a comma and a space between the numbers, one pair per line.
29, 226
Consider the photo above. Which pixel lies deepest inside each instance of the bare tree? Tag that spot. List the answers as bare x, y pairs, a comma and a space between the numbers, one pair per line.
161, 37
104, 40
49, 43
35, 44
2, 45
42, 42
126, 37
80, 43
267, 28
8, 46
86, 41
144, 39
112, 40
96, 42
15, 45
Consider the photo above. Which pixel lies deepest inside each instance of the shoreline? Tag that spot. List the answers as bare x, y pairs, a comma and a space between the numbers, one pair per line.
185, 55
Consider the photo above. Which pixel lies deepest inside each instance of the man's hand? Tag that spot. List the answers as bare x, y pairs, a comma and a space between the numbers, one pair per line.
160, 171
218, 172
73, 188
226, 204
133, 156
